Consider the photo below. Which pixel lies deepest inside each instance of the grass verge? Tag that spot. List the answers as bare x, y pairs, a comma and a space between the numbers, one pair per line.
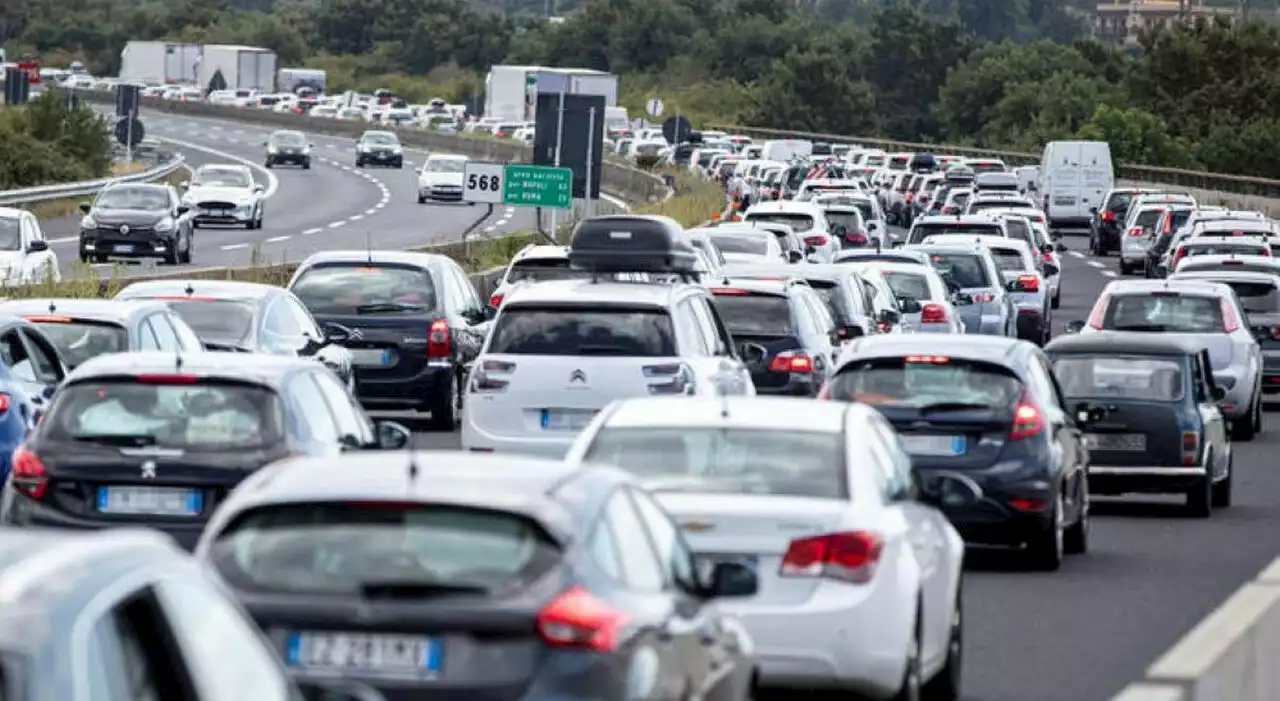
53, 209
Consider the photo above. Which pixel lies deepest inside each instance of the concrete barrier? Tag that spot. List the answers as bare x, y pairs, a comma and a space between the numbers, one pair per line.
1231, 655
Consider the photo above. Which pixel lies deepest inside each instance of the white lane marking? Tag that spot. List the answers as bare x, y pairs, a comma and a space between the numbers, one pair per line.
276, 239
235, 246
1077, 254
355, 217
1097, 264
489, 229
1109, 273
336, 224
273, 183
309, 232
370, 211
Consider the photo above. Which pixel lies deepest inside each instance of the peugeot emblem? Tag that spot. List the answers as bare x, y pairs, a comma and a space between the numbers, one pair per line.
356, 335
149, 470
124, 229
578, 376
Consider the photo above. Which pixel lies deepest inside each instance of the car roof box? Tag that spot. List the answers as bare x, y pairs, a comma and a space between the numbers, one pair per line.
632, 244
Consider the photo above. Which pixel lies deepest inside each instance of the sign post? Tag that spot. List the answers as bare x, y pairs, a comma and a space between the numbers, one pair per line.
518, 185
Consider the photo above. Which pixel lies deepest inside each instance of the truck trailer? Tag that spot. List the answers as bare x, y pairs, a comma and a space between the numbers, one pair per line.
511, 92
159, 63
224, 67
291, 79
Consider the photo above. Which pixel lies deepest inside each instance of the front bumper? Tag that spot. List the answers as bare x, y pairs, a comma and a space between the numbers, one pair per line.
288, 158
240, 215
441, 193
131, 245
380, 158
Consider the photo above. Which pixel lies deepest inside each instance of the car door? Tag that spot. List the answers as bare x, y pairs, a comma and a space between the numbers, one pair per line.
732, 376
1215, 425
37, 256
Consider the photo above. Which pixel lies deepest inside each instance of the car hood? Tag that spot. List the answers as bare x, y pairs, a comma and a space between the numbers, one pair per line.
441, 179
130, 217
229, 194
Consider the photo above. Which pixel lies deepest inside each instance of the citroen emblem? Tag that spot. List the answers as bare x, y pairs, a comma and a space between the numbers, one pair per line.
356, 335
149, 470
124, 229
578, 376
697, 526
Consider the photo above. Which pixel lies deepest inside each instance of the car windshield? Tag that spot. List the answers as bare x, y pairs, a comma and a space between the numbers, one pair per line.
733, 243
747, 314
1009, 260
288, 138
572, 330
922, 231
222, 177
921, 381
145, 198
727, 460
79, 341
798, 222
1119, 201
360, 288
363, 548
1225, 248
1167, 312
445, 165
190, 416
965, 269
227, 322
909, 285
1147, 218
1123, 377
10, 234
380, 140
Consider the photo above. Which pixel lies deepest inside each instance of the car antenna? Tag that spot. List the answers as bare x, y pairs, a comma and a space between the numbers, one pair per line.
189, 290
52, 307
368, 247
724, 406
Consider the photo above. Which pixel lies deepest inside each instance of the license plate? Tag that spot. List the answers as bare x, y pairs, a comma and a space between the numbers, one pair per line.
1115, 441
123, 248
150, 501
1064, 200
943, 446
566, 420
375, 357
410, 656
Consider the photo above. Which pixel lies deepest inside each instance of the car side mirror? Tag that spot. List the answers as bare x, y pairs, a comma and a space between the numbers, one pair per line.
732, 580
37, 246
849, 332
1093, 210
336, 333
909, 305
392, 436
183, 209
86, 206
310, 145
1075, 326
1050, 269
795, 256
336, 690
1219, 394
949, 490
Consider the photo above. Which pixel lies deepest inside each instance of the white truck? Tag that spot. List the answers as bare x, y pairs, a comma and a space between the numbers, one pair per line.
226, 67
1074, 176
511, 92
159, 63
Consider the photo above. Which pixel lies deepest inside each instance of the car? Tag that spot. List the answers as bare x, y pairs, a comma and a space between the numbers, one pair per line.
936, 225
985, 408
1026, 281
848, 227
860, 578
1206, 245
996, 181
1231, 261
379, 148
413, 323
288, 147
157, 439
850, 299
867, 204
1106, 221
136, 220
887, 309
224, 194
499, 576
118, 593
440, 178
82, 329
248, 317
927, 304
968, 267
25, 256
746, 244
1161, 238
792, 244
1137, 235
980, 202
31, 368
534, 263
1207, 312
1259, 296
910, 256
806, 218
1148, 403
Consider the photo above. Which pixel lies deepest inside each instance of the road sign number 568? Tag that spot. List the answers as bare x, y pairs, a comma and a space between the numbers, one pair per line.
490, 183
483, 182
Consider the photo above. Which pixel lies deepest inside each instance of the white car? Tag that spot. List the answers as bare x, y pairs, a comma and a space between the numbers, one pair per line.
440, 178
25, 256
808, 219
224, 194
860, 578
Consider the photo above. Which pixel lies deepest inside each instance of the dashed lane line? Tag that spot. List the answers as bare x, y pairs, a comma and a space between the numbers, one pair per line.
309, 232
1077, 254
336, 224
1096, 264
276, 239
234, 246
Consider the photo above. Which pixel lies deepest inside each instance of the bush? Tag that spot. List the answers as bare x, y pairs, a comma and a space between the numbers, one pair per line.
647, 161
48, 142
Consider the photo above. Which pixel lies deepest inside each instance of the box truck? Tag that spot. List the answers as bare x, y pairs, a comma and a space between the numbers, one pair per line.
159, 63
224, 67
511, 92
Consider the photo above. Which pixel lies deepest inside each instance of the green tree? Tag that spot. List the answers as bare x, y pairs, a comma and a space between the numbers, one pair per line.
1136, 136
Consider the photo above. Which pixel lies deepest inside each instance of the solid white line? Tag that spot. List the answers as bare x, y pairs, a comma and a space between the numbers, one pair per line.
309, 232
273, 183
1097, 264
334, 225
275, 239
234, 246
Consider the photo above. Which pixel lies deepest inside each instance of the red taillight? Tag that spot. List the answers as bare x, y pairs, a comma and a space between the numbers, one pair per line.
851, 556
577, 619
1177, 256
28, 474
1190, 448
791, 361
1027, 421
1135, 231
500, 134
5, 402
910, 197
1108, 216
1099, 311
162, 379
1029, 283
1230, 322
439, 340
856, 237
933, 314
815, 241
1023, 504
495, 301
1046, 257
983, 297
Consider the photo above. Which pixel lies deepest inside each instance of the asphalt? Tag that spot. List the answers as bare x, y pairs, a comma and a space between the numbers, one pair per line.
332, 206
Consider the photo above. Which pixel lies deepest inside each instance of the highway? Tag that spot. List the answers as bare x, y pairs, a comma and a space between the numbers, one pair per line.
332, 206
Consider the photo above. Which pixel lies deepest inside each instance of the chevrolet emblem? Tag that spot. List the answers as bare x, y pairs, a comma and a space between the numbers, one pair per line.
697, 526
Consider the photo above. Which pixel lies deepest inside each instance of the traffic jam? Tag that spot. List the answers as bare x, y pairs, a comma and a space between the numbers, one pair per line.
732, 462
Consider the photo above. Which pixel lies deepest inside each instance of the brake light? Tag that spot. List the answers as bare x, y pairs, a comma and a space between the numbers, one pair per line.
1027, 420
28, 473
1108, 216
791, 361
856, 237
160, 379
1190, 448
5, 402
1230, 322
851, 556
439, 340
577, 619
815, 240
1135, 231
1029, 283
49, 319
1099, 311
983, 297
673, 378
728, 291
933, 359
495, 301
1179, 255
500, 134
911, 196
933, 314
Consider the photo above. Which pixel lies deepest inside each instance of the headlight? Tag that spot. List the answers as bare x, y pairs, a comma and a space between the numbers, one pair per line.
88, 223
164, 225
272, 150
364, 148
395, 149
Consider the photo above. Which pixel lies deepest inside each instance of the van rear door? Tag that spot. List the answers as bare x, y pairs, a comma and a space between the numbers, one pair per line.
1063, 173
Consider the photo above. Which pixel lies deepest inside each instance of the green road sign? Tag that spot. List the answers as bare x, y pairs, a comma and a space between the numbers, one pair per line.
537, 186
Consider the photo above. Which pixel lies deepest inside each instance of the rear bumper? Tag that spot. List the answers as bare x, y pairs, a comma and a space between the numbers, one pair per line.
19, 511
421, 392
546, 444
1030, 324
285, 159
374, 159
1143, 479
796, 386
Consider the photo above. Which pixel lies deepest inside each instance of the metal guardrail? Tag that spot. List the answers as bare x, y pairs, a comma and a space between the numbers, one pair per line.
45, 193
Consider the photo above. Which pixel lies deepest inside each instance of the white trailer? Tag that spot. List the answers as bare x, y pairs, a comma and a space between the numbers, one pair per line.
511, 92
240, 68
291, 79
159, 63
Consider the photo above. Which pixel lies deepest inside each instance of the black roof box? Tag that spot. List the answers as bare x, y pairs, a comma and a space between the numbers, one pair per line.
632, 244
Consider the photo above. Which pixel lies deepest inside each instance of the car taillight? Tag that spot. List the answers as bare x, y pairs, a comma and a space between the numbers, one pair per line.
579, 620
1027, 420
791, 361
500, 134
933, 314
28, 473
856, 238
1177, 256
1230, 322
1135, 231
495, 301
439, 340
1099, 311
910, 197
815, 241
851, 556
1108, 216
669, 378
482, 379
1190, 448
983, 297
1029, 283
5, 402
1046, 257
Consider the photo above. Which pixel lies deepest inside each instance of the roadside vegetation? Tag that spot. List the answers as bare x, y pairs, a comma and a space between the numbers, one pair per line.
46, 142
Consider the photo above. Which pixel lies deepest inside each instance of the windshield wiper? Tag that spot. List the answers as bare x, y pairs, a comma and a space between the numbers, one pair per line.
939, 407
376, 307
224, 347
412, 588
1157, 328
120, 439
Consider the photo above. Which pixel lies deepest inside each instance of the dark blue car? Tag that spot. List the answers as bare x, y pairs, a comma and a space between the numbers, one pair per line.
30, 369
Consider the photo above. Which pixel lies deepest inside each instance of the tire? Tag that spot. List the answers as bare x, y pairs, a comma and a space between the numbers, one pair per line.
250, 225
1075, 541
172, 258
422, 200
445, 415
185, 256
945, 685
1245, 428
306, 165
1045, 551
913, 675
84, 256
1221, 497
1125, 268
1057, 299
1200, 498
268, 164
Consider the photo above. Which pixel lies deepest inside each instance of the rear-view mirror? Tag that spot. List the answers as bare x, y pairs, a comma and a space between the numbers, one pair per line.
85, 207
1093, 210
1075, 326
474, 315
950, 490
1060, 247
889, 316
392, 436
849, 331
1013, 285
732, 579
962, 299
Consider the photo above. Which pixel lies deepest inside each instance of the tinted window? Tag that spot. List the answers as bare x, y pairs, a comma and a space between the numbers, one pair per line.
1019, 230
1256, 296
1119, 201
205, 416
1167, 312
10, 234
832, 297
967, 270
671, 550
797, 221
444, 165
214, 176
922, 231
217, 321
340, 548
728, 243
360, 289
851, 221
81, 340
1147, 218
615, 331
288, 138
732, 461
980, 205
1008, 259
927, 380
752, 315
1158, 379
541, 269
909, 285
1225, 248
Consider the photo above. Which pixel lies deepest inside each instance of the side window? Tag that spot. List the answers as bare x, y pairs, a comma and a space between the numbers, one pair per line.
1199, 384
454, 296
895, 487
806, 324
709, 323
308, 417
147, 339
870, 294
603, 547
640, 567
469, 298
820, 313
165, 337
302, 318
131, 655
691, 330
186, 337
282, 331
1042, 385
673, 554
14, 356
1051, 382
44, 354
350, 418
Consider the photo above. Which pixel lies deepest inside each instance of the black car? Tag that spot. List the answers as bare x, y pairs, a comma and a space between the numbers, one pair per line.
783, 332
988, 409
849, 301
136, 220
159, 439
379, 148
414, 323
1104, 225
82, 329
246, 317
288, 147
454, 576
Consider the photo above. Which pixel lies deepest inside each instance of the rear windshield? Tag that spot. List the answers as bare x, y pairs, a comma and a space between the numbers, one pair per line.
922, 231
1019, 230
980, 205
1119, 201
1180, 217
363, 289
203, 416
227, 321
921, 381
849, 221
755, 315
1153, 379
81, 340
615, 331
1225, 249
1261, 297
728, 243
1147, 218
909, 285
730, 461
1173, 312
800, 223
353, 548
832, 296
966, 270
1007, 259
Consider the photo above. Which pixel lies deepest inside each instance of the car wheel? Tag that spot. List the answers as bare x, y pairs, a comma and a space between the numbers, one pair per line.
1125, 268
172, 256
306, 165
1046, 549
1245, 427
250, 225
185, 255
913, 673
1075, 541
1057, 299
1257, 413
422, 199
1200, 498
268, 164
446, 414
945, 686
1221, 498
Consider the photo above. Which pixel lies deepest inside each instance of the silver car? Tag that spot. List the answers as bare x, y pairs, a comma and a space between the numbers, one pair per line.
1024, 278
968, 267
1208, 312
1135, 236
926, 302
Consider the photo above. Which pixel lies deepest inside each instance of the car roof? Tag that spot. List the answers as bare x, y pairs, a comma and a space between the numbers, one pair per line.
1125, 343
958, 219
589, 292
406, 258
999, 349
1227, 274
1125, 287
119, 310
758, 285
891, 267
785, 207
257, 368
213, 289
758, 412
138, 186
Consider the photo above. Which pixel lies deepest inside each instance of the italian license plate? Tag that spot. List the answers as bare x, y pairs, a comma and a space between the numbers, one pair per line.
123, 248
1064, 200
150, 501
566, 419
937, 446
1115, 441
409, 656
372, 357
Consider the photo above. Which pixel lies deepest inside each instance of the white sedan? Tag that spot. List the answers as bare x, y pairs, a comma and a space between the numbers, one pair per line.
224, 194
859, 577
25, 256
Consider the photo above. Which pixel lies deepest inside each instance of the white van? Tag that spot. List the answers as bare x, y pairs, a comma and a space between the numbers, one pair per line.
1074, 177
786, 150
